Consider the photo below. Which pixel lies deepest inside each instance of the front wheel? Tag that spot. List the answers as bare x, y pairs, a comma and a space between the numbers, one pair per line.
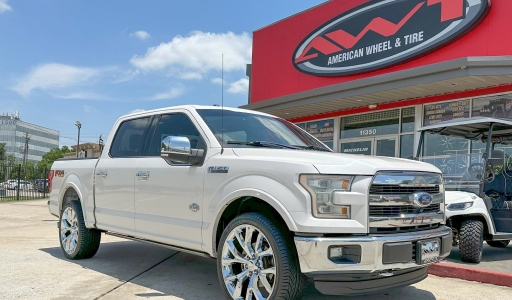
257, 260
498, 244
471, 241
76, 240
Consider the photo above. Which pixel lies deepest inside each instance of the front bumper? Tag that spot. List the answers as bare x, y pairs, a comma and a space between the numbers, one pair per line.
380, 262
313, 252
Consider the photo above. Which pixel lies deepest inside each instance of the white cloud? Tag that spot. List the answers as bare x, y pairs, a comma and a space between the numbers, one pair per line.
54, 76
191, 76
199, 53
4, 6
138, 110
217, 80
170, 94
141, 34
79, 95
89, 109
239, 87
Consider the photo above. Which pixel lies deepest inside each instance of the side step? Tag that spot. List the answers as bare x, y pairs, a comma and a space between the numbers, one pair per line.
500, 236
159, 244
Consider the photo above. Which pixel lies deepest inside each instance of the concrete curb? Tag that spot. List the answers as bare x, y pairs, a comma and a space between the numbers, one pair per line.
471, 274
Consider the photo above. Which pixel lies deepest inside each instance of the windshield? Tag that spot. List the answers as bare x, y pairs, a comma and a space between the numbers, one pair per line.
248, 130
461, 162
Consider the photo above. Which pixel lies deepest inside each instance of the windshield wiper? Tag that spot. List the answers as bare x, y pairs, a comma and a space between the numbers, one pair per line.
311, 147
263, 144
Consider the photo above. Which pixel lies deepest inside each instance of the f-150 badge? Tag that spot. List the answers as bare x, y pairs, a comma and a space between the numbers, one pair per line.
218, 169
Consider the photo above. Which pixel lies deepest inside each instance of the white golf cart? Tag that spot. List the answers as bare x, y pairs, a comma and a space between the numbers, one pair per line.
478, 185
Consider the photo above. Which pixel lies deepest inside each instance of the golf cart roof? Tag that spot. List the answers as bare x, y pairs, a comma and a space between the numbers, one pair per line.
476, 128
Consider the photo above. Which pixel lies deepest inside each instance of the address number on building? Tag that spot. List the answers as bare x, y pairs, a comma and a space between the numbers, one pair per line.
368, 132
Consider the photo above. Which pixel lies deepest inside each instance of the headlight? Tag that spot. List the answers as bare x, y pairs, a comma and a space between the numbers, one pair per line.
460, 206
322, 189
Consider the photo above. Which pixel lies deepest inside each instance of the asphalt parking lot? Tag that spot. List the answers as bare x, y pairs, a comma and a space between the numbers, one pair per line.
32, 266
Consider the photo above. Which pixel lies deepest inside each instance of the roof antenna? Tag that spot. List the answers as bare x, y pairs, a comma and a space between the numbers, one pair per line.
222, 108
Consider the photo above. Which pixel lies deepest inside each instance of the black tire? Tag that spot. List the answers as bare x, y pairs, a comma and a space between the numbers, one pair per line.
289, 282
87, 241
498, 244
471, 241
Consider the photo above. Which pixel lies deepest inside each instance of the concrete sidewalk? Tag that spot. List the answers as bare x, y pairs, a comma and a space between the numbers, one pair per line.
495, 268
32, 266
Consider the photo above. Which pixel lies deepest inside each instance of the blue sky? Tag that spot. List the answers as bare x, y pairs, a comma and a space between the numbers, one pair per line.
94, 61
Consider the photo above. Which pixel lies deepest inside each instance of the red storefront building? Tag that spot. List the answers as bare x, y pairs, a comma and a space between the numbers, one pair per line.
364, 75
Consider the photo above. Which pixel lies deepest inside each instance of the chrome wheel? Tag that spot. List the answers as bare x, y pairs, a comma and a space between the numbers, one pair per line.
69, 230
248, 264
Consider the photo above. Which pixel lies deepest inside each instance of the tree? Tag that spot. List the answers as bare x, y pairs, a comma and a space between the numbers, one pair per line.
3, 156
52, 156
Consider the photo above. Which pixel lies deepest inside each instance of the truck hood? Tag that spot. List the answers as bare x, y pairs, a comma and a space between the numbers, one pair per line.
336, 163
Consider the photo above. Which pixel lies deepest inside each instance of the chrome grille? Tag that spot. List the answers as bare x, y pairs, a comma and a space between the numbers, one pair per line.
392, 204
397, 210
382, 189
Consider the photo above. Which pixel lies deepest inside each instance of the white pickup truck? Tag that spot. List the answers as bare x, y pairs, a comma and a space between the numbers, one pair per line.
270, 202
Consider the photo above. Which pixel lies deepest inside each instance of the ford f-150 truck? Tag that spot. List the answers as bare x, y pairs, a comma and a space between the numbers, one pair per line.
271, 203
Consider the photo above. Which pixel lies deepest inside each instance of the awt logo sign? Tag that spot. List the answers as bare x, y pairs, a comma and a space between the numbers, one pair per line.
385, 33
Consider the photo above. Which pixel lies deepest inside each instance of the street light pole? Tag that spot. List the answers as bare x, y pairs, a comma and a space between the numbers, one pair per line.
79, 125
100, 142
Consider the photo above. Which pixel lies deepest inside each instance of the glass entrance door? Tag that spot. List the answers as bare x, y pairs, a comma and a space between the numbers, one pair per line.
385, 147
382, 146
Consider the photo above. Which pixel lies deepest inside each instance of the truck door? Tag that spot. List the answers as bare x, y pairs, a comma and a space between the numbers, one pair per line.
168, 196
115, 178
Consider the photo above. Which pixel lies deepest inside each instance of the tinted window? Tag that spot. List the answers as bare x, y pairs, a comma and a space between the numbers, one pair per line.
175, 125
128, 140
232, 126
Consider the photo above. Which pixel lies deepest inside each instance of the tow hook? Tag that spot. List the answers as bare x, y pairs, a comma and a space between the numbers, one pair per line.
386, 274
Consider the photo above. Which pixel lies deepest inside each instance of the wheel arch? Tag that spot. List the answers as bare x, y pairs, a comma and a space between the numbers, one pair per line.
255, 201
457, 220
72, 192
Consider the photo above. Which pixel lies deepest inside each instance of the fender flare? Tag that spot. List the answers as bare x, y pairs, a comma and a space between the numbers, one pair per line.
73, 182
249, 192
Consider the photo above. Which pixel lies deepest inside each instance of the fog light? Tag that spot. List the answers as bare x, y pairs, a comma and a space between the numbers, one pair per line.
349, 254
336, 253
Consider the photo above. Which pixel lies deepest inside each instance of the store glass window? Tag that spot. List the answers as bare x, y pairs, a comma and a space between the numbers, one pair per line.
407, 146
408, 118
323, 130
447, 111
493, 107
373, 124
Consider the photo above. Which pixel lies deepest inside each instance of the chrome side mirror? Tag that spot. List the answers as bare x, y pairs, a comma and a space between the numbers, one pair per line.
177, 149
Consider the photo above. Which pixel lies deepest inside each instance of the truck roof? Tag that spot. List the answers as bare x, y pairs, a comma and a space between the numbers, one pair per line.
194, 107
475, 128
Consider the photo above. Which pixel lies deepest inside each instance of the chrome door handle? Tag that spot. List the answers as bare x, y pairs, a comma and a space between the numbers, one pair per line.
102, 173
142, 175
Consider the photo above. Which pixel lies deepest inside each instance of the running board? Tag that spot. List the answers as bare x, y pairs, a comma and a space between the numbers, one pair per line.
500, 236
159, 244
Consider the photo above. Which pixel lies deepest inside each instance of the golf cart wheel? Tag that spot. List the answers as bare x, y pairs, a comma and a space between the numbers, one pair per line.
76, 240
471, 241
498, 244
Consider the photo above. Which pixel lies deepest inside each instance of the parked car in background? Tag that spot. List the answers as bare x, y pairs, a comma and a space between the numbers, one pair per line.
42, 185
23, 185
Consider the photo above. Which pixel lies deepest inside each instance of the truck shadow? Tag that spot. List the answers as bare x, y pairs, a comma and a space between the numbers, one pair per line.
153, 271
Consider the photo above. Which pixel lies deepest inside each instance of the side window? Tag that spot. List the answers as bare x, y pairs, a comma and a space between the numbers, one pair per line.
128, 140
175, 125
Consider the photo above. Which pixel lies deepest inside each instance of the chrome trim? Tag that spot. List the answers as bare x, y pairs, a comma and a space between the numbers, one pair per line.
408, 180
407, 220
313, 251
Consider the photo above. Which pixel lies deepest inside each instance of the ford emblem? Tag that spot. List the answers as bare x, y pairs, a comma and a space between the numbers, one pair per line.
422, 199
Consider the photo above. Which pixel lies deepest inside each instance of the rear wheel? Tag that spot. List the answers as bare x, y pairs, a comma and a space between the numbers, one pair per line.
76, 240
257, 260
498, 244
471, 241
